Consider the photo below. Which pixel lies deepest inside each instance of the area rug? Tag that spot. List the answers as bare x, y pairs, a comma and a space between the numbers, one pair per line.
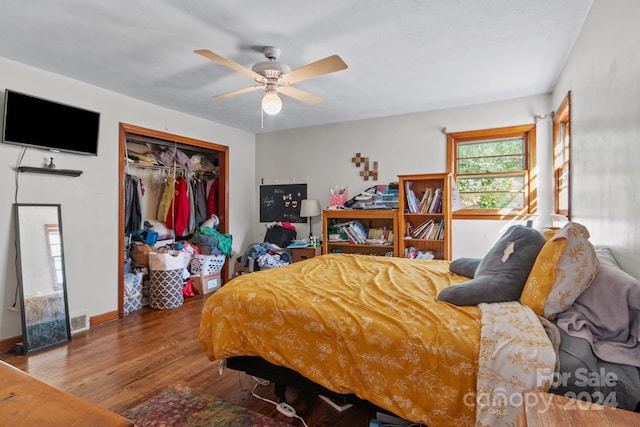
185, 407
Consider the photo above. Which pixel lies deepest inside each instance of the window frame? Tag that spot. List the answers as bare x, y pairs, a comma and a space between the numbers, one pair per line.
562, 143
528, 133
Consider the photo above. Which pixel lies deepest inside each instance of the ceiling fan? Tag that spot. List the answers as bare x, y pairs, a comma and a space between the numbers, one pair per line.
276, 77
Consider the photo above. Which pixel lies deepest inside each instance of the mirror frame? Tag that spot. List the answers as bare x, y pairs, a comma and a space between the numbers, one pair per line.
32, 341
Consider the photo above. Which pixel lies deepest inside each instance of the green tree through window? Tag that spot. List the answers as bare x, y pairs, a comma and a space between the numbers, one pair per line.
492, 170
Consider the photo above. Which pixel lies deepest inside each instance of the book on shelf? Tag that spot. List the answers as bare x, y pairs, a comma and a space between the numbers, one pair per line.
348, 230
427, 196
427, 230
359, 234
298, 244
384, 234
412, 200
409, 229
441, 234
355, 231
430, 201
421, 229
436, 203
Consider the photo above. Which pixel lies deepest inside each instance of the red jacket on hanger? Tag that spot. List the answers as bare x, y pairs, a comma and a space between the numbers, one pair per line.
178, 214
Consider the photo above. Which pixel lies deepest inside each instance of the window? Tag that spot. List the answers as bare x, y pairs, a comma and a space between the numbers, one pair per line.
495, 171
55, 254
561, 158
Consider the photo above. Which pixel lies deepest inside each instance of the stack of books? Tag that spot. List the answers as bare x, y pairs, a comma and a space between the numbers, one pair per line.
383, 236
430, 201
428, 230
360, 235
354, 230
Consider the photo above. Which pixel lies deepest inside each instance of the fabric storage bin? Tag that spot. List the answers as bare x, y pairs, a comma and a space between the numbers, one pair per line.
146, 290
166, 280
132, 302
207, 264
132, 292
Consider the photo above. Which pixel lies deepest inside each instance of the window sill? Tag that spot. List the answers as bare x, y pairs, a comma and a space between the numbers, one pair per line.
493, 216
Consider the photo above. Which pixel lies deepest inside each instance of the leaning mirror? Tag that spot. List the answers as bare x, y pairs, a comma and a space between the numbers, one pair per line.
41, 276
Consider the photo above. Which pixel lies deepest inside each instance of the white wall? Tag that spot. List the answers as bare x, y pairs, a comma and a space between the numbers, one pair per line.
412, 143
603, 74
90, 202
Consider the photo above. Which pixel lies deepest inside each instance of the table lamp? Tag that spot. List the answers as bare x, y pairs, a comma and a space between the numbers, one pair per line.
310, 208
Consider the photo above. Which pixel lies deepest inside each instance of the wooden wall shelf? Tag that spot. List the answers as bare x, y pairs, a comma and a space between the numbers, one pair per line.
67, 172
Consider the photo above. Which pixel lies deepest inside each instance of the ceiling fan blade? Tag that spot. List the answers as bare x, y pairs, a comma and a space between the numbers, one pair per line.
229, 64
300, 95
238, 92
327, 65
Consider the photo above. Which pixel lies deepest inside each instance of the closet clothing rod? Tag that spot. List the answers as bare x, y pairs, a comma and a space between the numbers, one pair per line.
166, 168
158, 167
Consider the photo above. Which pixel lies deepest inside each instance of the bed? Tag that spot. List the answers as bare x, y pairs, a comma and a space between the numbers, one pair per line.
389, 331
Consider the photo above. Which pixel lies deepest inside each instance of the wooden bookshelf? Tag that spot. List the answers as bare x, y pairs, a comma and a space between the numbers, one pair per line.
410, 215
370, 219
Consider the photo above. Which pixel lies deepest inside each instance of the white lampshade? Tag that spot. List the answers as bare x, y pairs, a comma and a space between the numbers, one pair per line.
271, 102
310, 207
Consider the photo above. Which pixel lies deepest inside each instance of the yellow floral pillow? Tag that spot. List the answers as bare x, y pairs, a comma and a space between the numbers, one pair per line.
549, 232
563, 270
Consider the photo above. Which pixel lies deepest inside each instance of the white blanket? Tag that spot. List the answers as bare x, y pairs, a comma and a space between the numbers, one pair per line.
515, 355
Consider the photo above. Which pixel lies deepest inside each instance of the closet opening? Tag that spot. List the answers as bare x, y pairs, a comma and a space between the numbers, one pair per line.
201, 164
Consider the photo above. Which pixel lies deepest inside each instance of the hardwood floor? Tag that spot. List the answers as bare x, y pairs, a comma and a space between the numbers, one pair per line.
119, 364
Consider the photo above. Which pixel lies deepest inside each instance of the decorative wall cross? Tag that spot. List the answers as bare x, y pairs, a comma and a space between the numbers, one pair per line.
366, 172
359, 159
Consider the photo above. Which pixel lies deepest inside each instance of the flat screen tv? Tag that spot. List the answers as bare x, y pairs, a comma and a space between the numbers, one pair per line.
36, 122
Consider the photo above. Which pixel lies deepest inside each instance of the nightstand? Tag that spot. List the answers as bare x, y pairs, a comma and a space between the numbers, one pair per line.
300, 254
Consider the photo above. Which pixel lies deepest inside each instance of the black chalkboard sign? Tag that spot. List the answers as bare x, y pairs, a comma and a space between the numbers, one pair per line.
282, 202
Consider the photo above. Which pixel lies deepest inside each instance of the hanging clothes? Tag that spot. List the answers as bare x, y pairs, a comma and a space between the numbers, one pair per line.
165, 200
132, 203
199, 200
191, 223
178, 213
212, 198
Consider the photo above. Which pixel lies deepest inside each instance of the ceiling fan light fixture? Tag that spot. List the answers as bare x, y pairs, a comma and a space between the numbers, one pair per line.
271, 75
271, 102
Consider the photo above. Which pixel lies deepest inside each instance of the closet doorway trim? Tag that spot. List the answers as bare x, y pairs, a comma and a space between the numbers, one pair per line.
223, 189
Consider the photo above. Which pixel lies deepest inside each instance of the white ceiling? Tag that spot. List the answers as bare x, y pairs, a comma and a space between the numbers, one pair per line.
403, 55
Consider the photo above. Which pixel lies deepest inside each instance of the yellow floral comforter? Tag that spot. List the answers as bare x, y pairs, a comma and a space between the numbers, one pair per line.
357, 324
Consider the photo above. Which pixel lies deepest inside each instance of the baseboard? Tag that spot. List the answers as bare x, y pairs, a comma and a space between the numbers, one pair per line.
104, 318
9, 343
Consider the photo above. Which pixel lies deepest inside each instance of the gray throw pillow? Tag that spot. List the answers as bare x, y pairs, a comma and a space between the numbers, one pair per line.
503, 272
465, 266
